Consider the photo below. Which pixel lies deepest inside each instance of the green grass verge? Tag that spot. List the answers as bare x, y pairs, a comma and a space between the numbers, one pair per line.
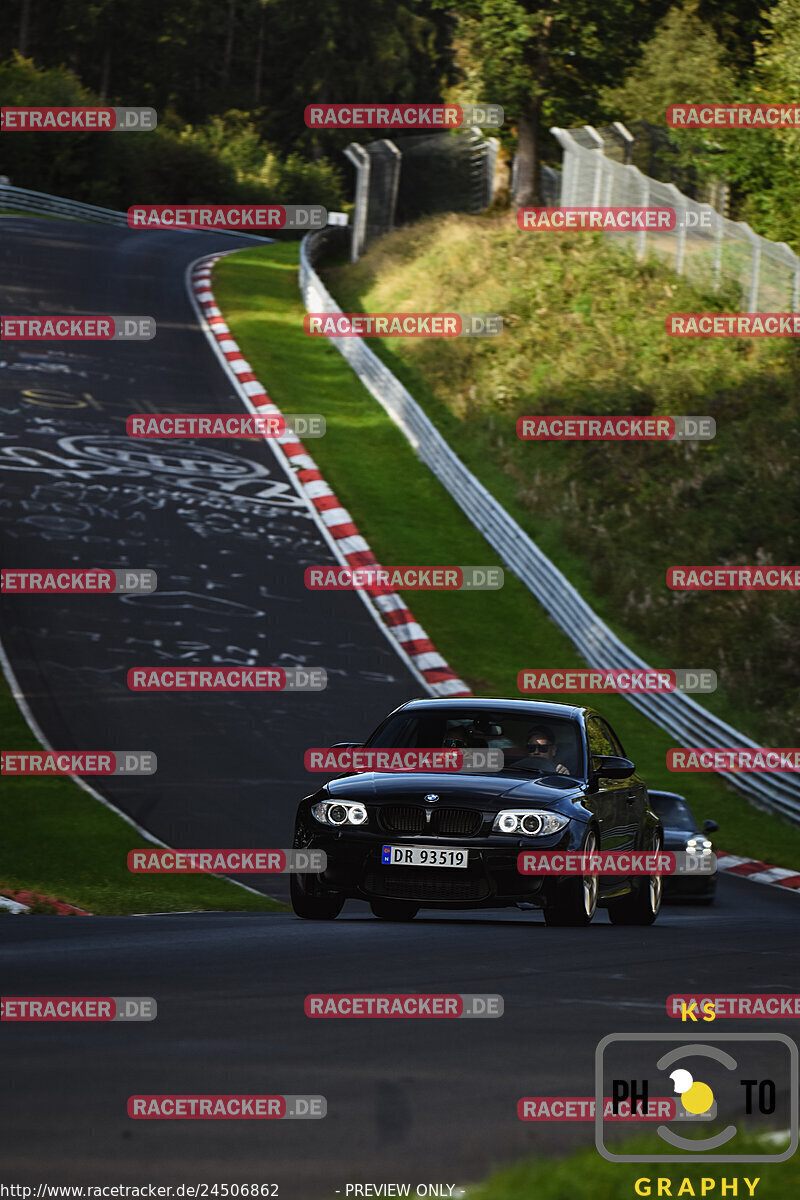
408, 517
586, 1175
58, 841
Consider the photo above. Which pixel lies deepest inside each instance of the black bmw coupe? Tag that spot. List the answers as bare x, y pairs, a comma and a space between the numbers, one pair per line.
402, 841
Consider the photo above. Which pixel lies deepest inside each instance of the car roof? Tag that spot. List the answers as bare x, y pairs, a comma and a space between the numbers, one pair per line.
536, 708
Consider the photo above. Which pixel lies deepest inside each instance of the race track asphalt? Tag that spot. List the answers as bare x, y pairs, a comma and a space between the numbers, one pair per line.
217, 520
419, 1100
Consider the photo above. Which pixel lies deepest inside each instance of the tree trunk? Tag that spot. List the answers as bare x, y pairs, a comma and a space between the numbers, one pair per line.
226, 58
24, 24
105, 76
259, 56
526, 188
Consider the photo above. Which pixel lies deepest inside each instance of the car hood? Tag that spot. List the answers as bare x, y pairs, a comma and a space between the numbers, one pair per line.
481, 790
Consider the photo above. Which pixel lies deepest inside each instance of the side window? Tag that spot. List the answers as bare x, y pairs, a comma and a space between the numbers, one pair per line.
598, 734
613, 739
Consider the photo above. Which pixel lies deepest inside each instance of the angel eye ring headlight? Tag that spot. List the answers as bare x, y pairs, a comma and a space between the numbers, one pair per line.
340, 812
528, 822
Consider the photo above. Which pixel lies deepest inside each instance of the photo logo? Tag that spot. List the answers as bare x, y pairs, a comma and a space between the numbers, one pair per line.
726, 1077
224, 425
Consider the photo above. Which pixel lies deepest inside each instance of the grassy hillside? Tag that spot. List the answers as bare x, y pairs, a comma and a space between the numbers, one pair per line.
584, 334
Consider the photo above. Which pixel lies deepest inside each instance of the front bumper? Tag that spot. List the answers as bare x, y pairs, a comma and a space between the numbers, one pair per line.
490, 879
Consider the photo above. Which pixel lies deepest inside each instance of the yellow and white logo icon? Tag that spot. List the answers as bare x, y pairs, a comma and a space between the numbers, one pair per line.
697, 1098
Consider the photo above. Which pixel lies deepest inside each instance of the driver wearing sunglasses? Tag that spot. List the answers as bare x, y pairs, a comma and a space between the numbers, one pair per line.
541, 748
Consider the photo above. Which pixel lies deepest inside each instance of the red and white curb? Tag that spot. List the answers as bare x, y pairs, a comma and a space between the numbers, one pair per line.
341, 532
759, 872
20, 902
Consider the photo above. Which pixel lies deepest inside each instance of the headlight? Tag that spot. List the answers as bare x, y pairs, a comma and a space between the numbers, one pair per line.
528, 822
340, 812
699, 845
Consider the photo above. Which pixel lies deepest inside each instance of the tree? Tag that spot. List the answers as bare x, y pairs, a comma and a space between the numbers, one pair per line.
546, 62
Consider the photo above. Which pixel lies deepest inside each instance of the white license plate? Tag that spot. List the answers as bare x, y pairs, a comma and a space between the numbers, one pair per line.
424, 856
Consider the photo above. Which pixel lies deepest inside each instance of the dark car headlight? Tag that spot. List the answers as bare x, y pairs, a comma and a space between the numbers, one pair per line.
699, 845
340, 812
528, 822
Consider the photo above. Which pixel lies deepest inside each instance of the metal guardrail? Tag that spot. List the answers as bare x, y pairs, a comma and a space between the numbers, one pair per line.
56, 206
41, 202
677, 713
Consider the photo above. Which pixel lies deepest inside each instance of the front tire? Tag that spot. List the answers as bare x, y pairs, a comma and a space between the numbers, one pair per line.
311, 901
643, 904
575, 899
394, 910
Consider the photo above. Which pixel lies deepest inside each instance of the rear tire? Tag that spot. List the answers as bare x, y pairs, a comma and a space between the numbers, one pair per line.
311, 901
643, 904
575, 899
394, 910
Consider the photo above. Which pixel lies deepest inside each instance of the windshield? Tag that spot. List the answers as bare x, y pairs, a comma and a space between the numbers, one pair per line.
530, 745
674, 812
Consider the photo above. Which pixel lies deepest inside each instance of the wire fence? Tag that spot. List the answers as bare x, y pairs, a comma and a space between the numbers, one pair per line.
705, 246
677, 713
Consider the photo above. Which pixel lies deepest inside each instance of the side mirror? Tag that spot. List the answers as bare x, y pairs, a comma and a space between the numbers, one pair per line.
611, 766
346, 745
710, 826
